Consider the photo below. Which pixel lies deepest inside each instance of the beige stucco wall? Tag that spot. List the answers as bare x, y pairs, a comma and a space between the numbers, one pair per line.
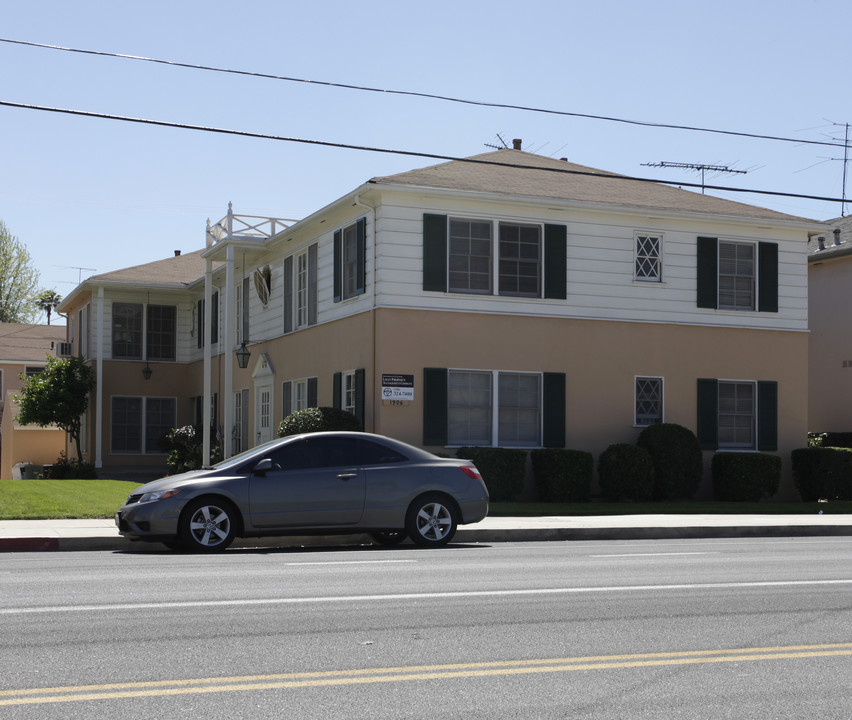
31, 444
830, 351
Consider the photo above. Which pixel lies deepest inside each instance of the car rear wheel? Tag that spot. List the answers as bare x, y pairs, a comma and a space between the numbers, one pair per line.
431, 520
388, 537
207, 525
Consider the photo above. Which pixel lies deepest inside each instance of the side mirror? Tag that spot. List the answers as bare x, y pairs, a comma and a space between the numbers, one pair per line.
262, 467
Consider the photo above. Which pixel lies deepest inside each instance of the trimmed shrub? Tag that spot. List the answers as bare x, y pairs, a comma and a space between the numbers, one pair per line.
562, 475
318, 419
822, 473
626, 472
502, 469
677, 458
185, 448
65, 469
831, 439
745, 477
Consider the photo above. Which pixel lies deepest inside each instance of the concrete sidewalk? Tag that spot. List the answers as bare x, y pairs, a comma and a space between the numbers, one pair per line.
50, 535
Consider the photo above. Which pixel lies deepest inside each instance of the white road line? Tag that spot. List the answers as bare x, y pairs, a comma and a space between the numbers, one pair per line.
669, 554
350, 562
417, 596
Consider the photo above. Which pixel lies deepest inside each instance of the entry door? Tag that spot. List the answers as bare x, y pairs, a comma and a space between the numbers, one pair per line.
263, 413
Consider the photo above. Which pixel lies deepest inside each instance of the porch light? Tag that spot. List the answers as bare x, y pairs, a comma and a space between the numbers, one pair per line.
147, 371
243, 356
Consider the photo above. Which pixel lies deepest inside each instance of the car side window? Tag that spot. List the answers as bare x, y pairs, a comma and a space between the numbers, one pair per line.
313, 453
373, 453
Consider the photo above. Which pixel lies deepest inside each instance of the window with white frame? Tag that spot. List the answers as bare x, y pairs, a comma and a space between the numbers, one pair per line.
239, 432
494, 408
83, 332
348, 400
138, 423
149, 335
349, 262
737, 415
470, 268
648, 401
736, 275
301, 287
648, 266
520, 260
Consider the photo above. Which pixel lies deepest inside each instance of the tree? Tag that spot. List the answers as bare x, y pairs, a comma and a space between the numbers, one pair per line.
58, 395
18, 280
47, 302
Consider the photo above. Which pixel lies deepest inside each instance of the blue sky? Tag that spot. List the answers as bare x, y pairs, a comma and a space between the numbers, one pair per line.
102, 195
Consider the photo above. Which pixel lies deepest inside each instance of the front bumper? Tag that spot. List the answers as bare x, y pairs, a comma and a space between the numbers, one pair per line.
148, 521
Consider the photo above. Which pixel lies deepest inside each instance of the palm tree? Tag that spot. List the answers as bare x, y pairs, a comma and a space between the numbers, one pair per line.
47, 302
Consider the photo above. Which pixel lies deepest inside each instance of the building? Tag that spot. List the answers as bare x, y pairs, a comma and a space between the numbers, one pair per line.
508, 299
830, 347
23, 352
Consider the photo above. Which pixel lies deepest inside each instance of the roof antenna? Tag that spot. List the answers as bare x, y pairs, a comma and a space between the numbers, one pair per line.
503, 144
698, 167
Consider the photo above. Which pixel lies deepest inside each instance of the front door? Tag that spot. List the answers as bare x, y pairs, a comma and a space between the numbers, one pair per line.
263, 413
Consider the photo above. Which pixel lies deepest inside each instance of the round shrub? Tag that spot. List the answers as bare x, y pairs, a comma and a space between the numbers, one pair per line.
502, 469
562, 475
626, 472
677, 458
318, 419
745, 477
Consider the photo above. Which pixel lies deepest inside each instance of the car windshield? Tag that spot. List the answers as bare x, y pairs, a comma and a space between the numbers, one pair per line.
256, 452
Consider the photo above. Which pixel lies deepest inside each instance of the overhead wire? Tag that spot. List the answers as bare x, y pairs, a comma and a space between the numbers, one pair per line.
431, 96
410, 153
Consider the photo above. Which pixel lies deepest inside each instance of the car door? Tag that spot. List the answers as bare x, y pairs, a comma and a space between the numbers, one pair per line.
314, 482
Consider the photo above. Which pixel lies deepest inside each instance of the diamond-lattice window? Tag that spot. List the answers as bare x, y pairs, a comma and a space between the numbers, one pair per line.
648, 262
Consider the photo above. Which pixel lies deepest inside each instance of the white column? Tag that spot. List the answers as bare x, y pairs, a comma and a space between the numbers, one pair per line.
206, 333
230, 331
99, 388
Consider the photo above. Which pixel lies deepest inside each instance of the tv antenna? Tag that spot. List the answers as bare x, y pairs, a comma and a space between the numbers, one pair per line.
503, 146
697, 167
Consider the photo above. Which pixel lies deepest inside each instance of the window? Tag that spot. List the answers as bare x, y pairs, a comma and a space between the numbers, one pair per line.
349, 392
350, 260
648, 257
83, 332
33, 370
138, 423
300, 289
348, 400
648, 401
127, 330
200, 321
298, 395
459, 256
738, 414
737, 276
242, 311
471, 401
470, 256
159, 332
239, 433
198, 411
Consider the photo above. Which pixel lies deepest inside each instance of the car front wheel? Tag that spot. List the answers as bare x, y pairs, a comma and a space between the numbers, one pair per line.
207, 525
431, 521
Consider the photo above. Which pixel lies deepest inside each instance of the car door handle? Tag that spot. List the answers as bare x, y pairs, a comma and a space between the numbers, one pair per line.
347, 475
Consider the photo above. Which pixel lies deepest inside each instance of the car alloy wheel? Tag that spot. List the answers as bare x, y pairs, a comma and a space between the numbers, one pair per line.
207, 525
431, 520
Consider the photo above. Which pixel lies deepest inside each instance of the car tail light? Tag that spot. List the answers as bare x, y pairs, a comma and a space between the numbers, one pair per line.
471, 471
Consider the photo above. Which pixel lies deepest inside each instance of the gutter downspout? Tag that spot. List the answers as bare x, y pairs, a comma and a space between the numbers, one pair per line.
374, 235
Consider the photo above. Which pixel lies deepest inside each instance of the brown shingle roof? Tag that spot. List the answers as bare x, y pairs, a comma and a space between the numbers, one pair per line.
175, 271
585, 184
28, 343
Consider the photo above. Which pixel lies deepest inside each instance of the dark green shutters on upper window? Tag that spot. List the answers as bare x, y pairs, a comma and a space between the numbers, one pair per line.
435, 252
350, 261
767, 277
708, 274
555, 261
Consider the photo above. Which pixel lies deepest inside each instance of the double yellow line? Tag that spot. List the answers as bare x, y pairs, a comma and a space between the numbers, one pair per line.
164, 688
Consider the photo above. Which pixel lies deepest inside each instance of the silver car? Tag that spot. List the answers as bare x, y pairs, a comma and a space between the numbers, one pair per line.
317, 483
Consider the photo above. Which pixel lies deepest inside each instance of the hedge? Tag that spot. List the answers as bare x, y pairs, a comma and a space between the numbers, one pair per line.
745, 477
562, 475
677, 458
626, 472
823, 473
502, 470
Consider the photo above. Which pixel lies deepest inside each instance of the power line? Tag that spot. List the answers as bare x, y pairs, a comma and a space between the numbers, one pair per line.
410, 153
430, 96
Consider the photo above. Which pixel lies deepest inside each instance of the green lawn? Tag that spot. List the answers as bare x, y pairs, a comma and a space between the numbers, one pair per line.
38, 499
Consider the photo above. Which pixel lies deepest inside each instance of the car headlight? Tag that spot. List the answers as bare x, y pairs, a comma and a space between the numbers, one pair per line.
158, 495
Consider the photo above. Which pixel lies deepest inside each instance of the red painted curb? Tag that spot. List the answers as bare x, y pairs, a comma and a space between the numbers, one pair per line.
28, 544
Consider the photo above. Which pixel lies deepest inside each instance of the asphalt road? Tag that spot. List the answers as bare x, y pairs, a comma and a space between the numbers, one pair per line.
751, 628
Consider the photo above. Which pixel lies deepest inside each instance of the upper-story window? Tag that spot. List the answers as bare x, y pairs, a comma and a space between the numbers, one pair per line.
350, 260
649, 261
151, 335
460, 255
300, 289
736, 275
200, 320
241, 309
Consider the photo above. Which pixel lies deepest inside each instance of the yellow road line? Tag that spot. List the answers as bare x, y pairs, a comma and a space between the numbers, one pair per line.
164, 688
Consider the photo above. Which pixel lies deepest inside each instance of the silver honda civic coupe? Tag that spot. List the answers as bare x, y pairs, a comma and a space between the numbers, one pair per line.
318, 483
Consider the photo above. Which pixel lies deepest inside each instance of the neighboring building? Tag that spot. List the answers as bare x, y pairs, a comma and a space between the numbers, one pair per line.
23, 351
508, 300
830, 347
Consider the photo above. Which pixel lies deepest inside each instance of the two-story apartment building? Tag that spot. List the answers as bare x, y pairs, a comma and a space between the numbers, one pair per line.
505, 300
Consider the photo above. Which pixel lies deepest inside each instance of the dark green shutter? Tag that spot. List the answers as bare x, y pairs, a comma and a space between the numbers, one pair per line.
435, 416
708, 414
767, 277
555, 261
361, 256
286, 399
337, 389
360, 375
312, 392
338, 271
214, 319
435, 252
200, 324
708, 272
767, 415
553, 410
288, 294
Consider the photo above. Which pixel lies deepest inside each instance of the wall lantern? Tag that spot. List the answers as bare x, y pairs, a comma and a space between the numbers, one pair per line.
243, 356
147, 371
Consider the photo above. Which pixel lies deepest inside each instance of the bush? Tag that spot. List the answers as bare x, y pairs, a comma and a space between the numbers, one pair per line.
745, 477
65, 469
502, 470
626, 472
822, 473
562, 475
677, 458
318, 419
185, 446
830, 439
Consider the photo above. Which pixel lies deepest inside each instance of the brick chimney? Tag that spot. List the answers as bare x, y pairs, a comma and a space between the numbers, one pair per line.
516, 144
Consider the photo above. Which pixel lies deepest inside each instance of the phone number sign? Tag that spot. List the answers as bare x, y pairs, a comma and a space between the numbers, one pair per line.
398, 387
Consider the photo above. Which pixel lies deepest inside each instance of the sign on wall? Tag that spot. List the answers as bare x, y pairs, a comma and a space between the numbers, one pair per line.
397, 388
